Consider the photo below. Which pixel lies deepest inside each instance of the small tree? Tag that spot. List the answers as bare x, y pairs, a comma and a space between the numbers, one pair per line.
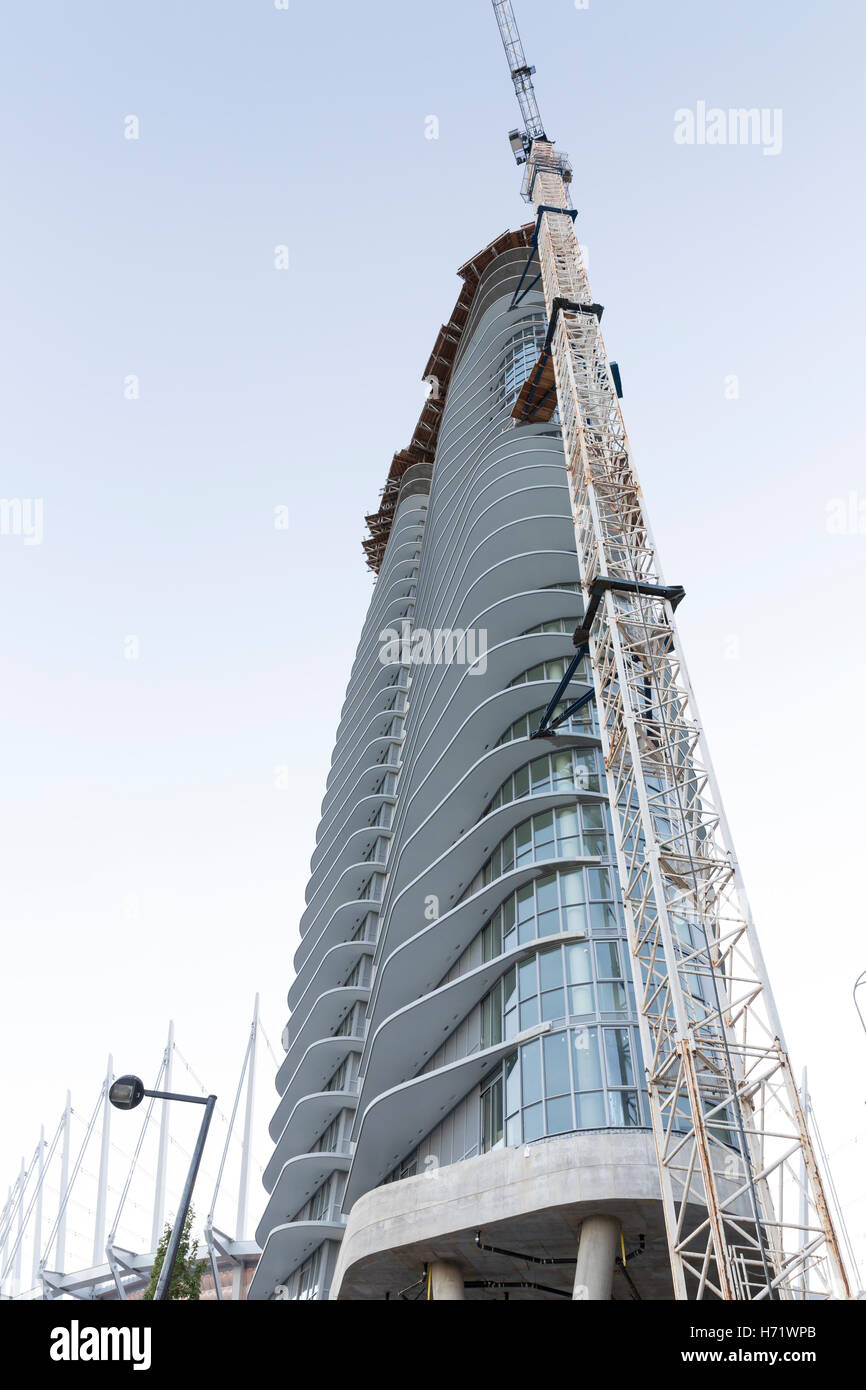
188, 1268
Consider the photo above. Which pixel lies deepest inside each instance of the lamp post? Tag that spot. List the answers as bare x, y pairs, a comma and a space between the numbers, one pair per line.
126, 1093
861, 980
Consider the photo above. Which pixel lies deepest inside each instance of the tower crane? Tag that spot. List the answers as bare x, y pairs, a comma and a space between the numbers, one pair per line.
744, 1204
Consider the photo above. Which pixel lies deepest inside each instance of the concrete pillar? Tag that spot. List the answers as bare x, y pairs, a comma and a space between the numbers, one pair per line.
446, 1281
596, 1254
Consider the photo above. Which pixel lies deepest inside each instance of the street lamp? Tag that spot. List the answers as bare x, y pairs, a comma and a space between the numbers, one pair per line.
126, 1093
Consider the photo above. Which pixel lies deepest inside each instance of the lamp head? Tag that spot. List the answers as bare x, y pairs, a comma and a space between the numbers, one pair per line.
126, 1092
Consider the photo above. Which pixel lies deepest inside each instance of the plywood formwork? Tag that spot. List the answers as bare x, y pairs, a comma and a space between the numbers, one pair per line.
437, 373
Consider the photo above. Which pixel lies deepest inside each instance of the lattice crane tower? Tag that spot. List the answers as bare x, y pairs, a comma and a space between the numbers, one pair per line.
745, 1209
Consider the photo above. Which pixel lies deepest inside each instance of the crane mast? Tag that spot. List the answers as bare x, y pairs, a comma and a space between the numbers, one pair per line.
744, 1204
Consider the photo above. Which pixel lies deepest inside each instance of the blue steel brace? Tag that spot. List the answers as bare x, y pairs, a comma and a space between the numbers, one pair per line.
548, 725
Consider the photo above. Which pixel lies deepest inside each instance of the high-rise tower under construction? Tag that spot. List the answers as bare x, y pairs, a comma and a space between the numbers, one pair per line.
532, 1050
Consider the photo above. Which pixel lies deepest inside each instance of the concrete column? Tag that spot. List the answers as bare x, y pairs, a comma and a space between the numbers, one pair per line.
596, 1254
446, 1281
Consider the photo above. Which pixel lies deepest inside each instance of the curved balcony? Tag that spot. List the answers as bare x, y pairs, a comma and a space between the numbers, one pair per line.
357, 818
365, 786
340, 926
373, 753
335, 966
393, 1123
405, 1042
354, 849
507, 657
468, 796
372, 722
420, 962
295, 1184
324, 1017
457, 865
285, 1249
381, 677
309, 1118
481, 730
347, 889
312, 1074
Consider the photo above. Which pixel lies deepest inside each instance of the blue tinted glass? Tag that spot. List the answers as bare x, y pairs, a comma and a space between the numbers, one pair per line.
590, 1110
556, 1076
529, 1013
550, 965
617, 1052
527, 978
548, 923
533, 1123
607, 960
552, 1004
611, 998
577, 968
559, 1119
512, 1085
623, 1108
585, 1058
530, 1071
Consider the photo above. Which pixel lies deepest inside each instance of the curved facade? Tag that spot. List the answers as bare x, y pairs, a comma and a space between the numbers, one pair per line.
462, 983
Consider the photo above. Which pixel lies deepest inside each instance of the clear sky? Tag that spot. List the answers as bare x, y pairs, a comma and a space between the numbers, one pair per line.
151, 865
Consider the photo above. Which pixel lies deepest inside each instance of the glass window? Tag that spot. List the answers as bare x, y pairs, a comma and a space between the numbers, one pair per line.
525, 902
491, 1116
552, 1004
585, 1059
617, 1053
567, 831
540, 772
528, 1013
623, 1108
530, 1072
574, 919
521, 354
543, 835
512, 1085
599, 883
550, 964
572, 887
527, 978
563, 769
612, 998
556, 1076
559, 1117
533, 1122
590, 1110
491, 1017
556, 1084
607, 960
578, 964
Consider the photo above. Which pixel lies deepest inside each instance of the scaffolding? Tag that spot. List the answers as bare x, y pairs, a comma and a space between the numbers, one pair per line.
744, 1203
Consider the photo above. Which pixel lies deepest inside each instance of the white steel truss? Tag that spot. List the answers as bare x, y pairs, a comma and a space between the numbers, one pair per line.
744, 1205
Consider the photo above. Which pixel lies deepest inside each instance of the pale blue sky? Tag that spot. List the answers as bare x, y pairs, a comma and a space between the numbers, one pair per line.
151, 782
